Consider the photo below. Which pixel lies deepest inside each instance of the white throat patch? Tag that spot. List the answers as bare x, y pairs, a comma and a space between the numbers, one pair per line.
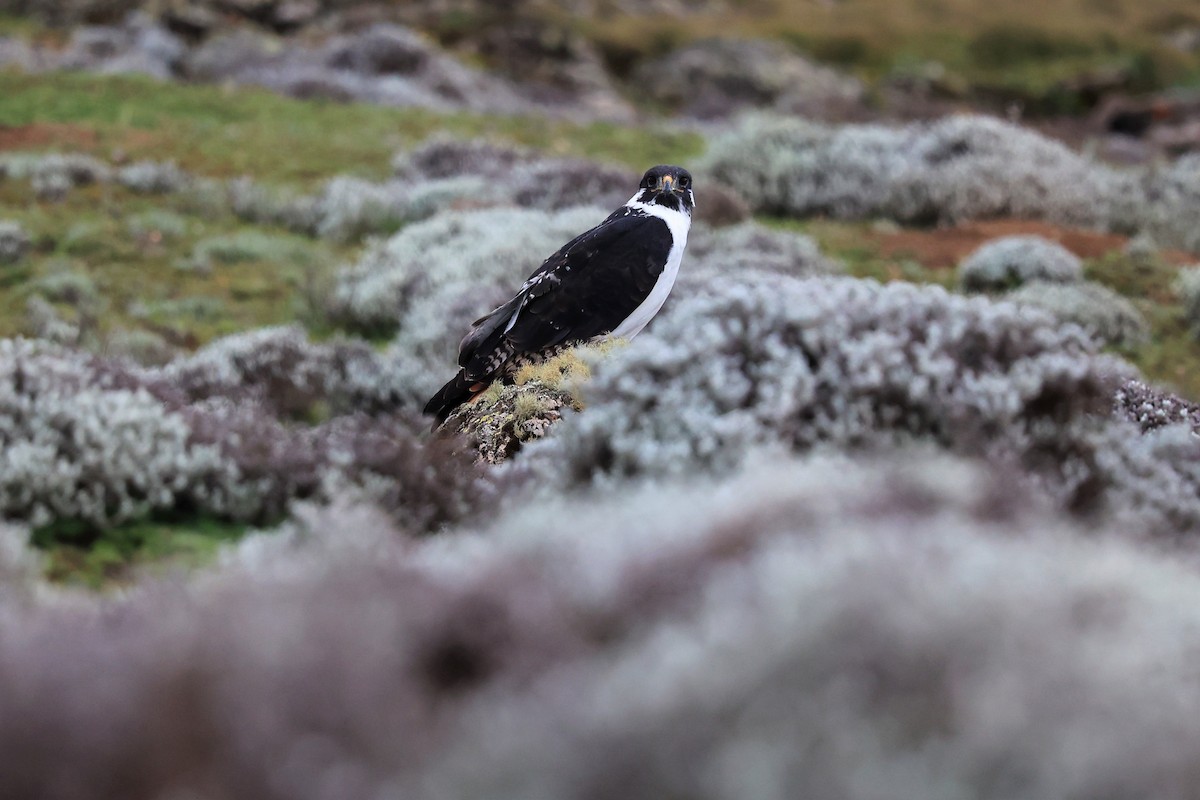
679, 223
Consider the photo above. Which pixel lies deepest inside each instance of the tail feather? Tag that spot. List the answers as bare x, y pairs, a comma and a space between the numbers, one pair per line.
457, 391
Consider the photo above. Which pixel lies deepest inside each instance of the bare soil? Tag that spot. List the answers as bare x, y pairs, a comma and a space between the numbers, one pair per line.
944, 248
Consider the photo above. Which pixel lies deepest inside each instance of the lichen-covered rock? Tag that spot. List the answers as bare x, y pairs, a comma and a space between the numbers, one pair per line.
555, 65
385, 64
503, 418
506, 416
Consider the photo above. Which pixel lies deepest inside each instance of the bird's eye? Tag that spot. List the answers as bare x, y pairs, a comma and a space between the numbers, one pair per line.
684, 182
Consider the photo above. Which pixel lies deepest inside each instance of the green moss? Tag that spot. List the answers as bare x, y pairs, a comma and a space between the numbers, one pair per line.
79, 554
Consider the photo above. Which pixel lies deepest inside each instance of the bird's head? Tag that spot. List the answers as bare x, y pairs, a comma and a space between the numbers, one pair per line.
667, 186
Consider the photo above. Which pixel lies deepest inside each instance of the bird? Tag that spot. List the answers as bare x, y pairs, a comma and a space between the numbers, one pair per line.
608, 282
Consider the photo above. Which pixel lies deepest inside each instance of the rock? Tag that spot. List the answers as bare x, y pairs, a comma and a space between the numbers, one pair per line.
138, 45
507, 416
381, 50
294, 14
253, 9
554, 65
717, 77
232, 55
191, 18
1184, 39
91, 45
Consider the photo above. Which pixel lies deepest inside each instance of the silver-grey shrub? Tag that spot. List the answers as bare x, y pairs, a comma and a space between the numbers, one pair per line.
955, 168
258, 203
280, 369
152, 177
1094, 307
1173, 194
14, 242
75, 448
1187, 288
52, 175
770, 360
447, 157
350, 208
1011, 261
751, 246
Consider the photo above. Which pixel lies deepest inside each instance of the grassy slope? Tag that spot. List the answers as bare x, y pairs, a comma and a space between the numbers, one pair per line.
224, 131
138, 253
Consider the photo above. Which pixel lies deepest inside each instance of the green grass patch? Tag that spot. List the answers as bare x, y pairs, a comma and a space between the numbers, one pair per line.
223, 131
152, 263
79, 554
1172, 355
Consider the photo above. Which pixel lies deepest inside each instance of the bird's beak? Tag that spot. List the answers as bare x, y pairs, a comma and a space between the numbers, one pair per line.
665, 184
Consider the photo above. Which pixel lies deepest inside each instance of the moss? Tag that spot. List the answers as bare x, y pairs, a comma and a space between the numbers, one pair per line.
555, 372
507, 415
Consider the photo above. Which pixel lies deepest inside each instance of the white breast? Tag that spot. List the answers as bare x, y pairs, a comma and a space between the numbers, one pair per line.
679, 224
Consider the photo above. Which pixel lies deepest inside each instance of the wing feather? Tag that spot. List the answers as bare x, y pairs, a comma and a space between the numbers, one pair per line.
585, 289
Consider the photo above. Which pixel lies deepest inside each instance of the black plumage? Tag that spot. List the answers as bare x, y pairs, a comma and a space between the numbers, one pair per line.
583, 291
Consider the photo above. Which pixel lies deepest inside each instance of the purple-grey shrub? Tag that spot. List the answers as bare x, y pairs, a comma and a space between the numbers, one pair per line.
52, 175
837, 628
770, 361
1152, 408
103, 442
282, 370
